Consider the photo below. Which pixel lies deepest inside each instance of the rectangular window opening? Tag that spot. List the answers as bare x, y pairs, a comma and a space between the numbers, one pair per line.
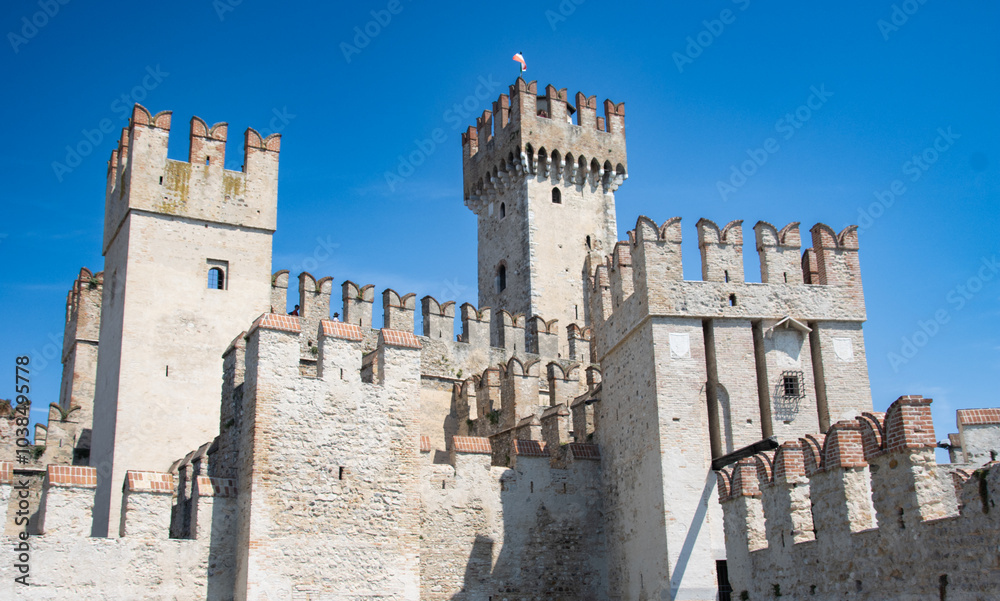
218, 274
792, 385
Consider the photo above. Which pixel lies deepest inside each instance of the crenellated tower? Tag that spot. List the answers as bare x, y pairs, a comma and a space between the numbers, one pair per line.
695, 369
541, 176
187, 249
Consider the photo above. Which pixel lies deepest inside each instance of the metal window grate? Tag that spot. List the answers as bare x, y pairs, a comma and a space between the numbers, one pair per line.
791, 386
722, 574
789, 390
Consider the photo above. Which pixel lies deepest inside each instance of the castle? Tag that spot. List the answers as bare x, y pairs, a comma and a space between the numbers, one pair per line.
557, 444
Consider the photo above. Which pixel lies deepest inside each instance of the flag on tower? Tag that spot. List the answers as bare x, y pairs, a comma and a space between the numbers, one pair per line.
520, 59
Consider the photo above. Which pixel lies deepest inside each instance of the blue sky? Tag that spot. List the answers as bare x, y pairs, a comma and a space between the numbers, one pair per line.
705, 86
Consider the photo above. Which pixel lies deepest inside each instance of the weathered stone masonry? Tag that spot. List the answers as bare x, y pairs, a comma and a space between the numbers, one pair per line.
554, 442
667, 345
170, 226
864, 512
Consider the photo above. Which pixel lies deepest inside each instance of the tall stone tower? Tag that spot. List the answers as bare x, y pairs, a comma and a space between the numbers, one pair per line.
695, 369
541, 176
187, 249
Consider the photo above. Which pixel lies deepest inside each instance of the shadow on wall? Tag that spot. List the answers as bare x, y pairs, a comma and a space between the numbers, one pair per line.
552, 541
450, 427
478, 571
221, 556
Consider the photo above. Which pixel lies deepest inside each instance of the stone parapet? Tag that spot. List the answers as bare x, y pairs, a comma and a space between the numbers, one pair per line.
825, 517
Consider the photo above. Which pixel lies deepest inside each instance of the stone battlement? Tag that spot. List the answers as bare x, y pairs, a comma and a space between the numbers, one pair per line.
478, 445
531, 134
141, 177
643, 276
487, 337
337, 449
83, 310
783, 357
67, 500
66, 437
151, 561
864, 509
978, 435
518, 401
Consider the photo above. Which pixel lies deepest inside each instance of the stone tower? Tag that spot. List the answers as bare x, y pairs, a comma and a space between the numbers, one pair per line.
79, 359
695, 369
187, 249
541, 176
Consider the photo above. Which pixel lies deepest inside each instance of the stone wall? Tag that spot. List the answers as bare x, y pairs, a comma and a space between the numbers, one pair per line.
338, 502
530, 531
328, 464
455, 350
663, 537
65, 562
864, 512
979, 434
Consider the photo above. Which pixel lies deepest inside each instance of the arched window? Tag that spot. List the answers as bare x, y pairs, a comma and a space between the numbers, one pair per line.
556, 196
216, 279
501, 277
503, 210
588, 242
